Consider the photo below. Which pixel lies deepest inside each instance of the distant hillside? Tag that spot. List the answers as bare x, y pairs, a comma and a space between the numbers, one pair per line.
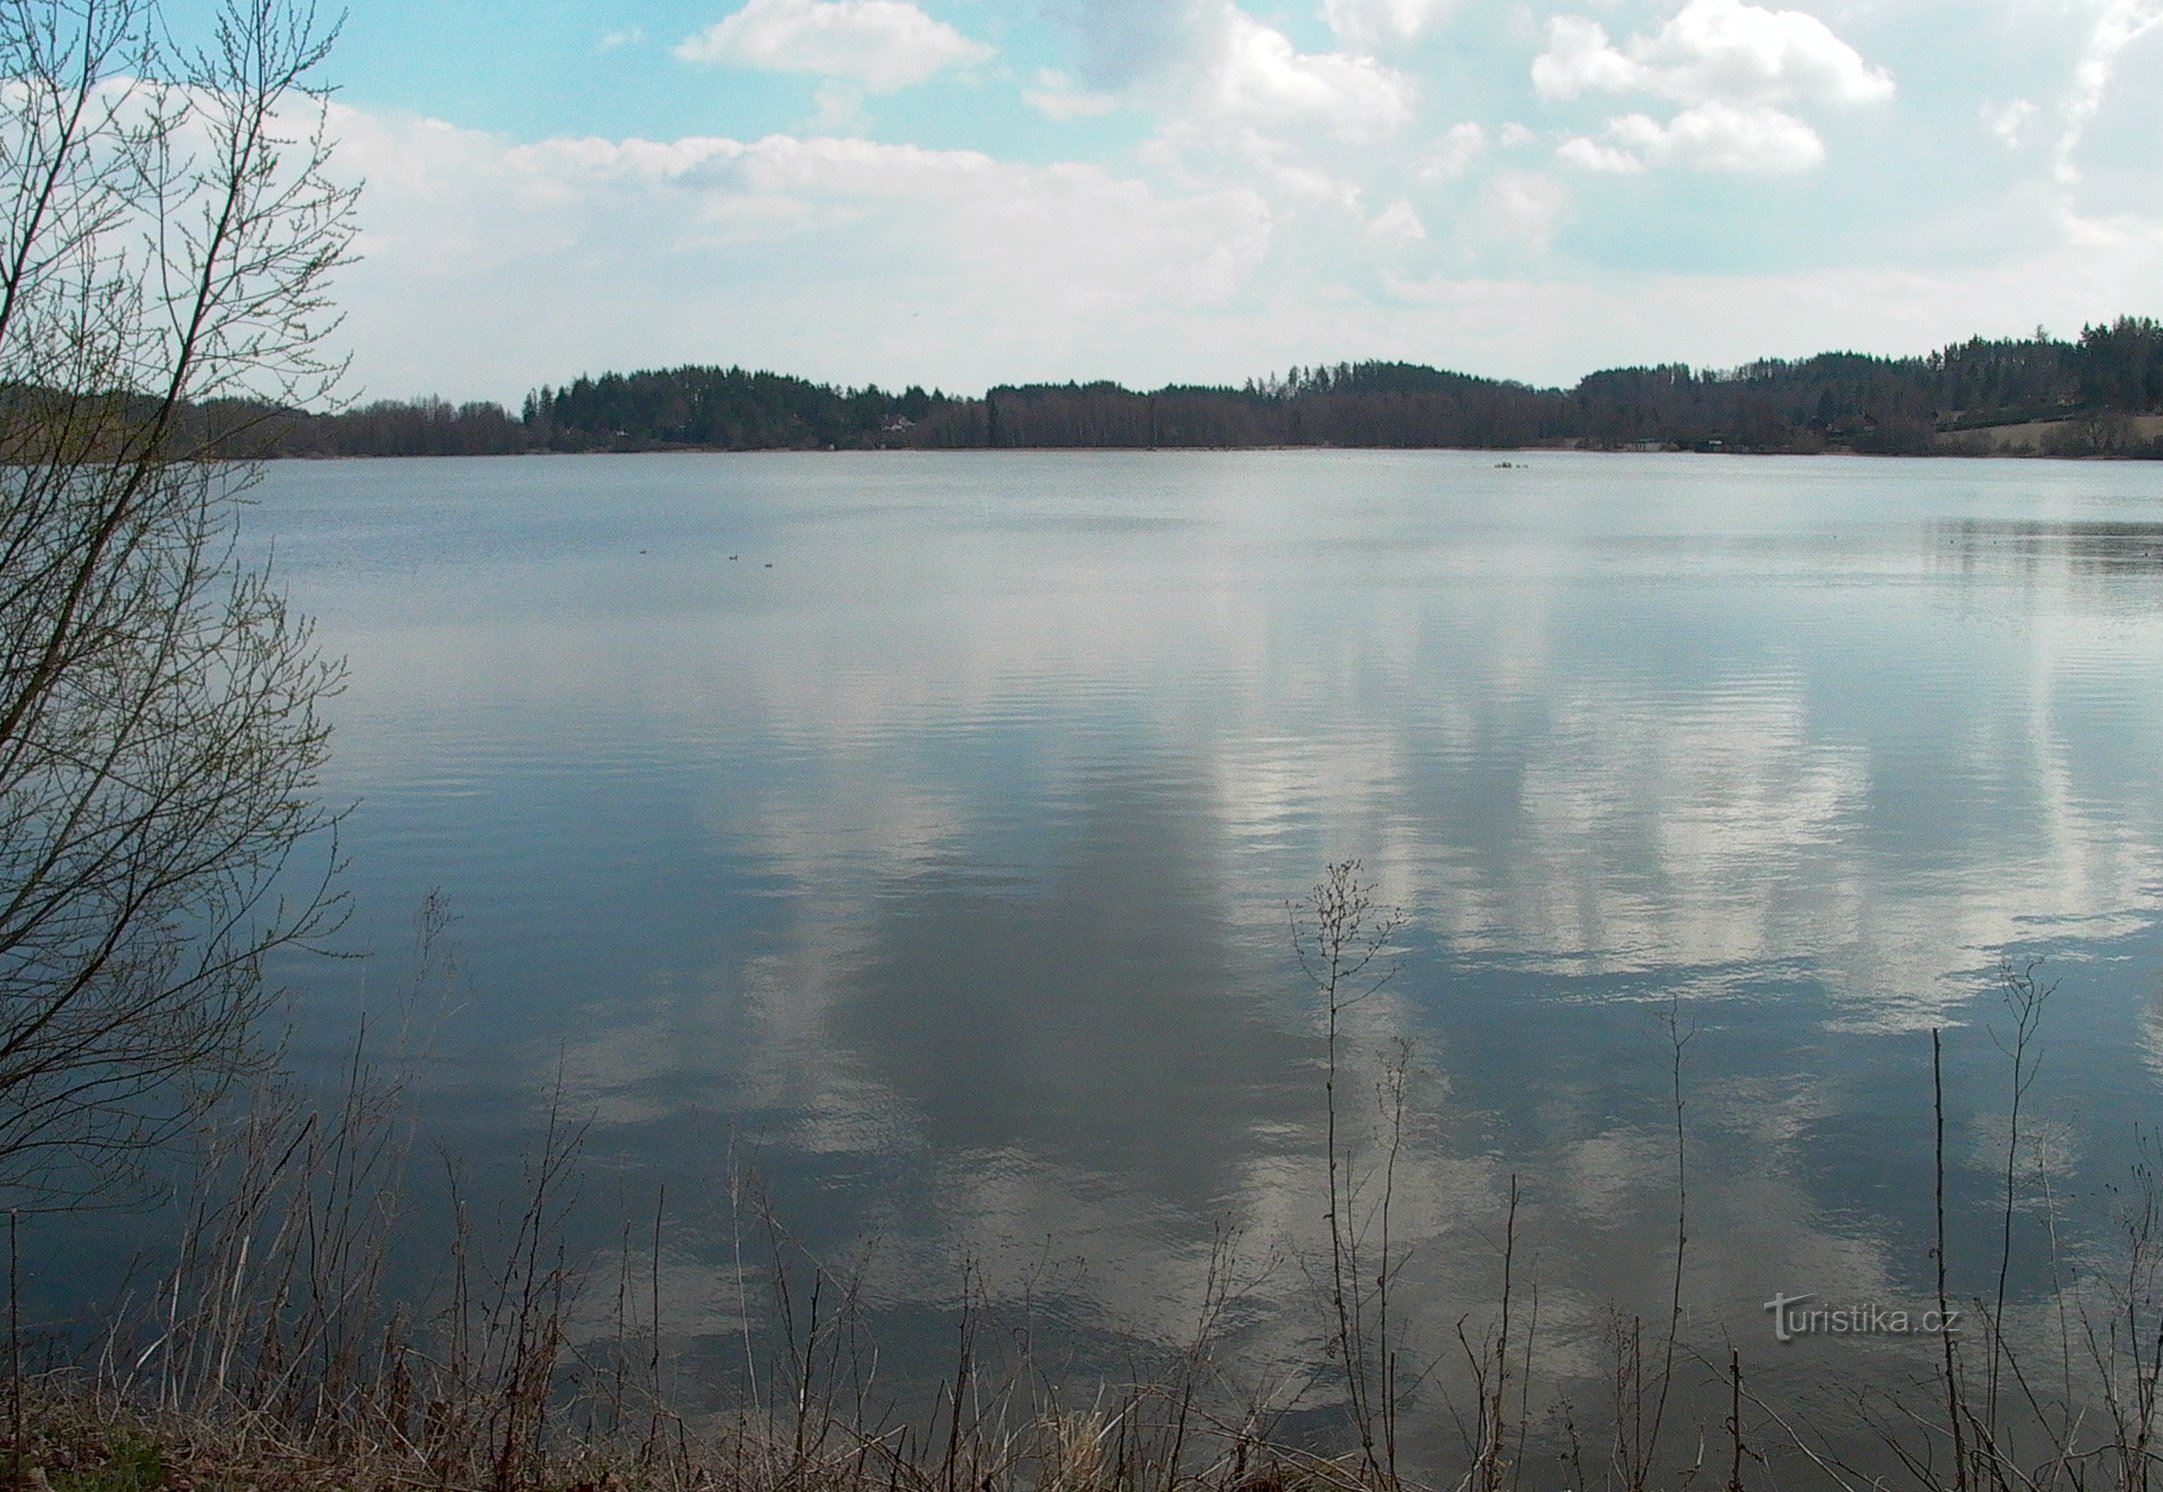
2084, 397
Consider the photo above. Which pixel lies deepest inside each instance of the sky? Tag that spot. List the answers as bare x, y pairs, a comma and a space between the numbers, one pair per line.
959, 193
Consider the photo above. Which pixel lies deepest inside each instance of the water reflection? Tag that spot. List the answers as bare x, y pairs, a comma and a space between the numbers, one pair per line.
2092, 546
943, 867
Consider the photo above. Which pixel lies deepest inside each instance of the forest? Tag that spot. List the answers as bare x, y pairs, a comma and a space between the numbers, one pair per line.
2084, 397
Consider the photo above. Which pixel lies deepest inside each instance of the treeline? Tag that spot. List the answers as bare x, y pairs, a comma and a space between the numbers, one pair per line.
421, 427
1364, 404
1888, 405
2088, 392
730, 409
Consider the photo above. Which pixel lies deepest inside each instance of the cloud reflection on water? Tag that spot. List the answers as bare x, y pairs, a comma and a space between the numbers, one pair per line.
945, 865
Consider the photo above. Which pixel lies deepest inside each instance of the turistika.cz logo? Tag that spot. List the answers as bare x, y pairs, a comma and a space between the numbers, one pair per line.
1795, 1316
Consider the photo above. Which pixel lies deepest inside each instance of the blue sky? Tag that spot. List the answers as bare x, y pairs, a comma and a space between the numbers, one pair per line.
963, 192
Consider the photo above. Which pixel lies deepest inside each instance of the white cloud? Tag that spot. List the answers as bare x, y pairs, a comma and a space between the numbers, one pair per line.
1528, 207
1588, 154
878, 43
2009, 122
1252, 73
1213, 74
832, 257
840, 109
1547, 328
616, 41
1731, 65
1208, 150
1397, 225
1712, 51
1235, 101
1057, 95
1752, 139
1459, 147
1366, 24
1255, 230
2118, 26
1580, 59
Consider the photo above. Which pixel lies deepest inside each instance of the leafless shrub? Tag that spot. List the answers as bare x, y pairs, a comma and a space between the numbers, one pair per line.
166, 235
1343, 941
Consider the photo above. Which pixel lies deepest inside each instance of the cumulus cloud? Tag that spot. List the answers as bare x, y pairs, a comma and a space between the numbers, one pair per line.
1286, 179
1459, 147
1235, 100
878, 43
840, 109
1587, 153
1755, 140
1580, 59
2009, 121
1252, 73
1213, 73
1366, 24
1527, 207
1123, 43
1713, 50
835, 256
1397, 225
1731, 65
2118, 26
1057, 95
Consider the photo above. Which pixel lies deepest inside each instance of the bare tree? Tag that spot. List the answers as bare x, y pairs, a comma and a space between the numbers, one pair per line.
167, 227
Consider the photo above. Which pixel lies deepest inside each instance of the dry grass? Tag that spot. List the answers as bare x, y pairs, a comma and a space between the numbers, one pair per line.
78, 1440
2045, 437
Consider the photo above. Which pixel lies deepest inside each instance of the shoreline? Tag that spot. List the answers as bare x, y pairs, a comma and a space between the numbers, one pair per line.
1996, 453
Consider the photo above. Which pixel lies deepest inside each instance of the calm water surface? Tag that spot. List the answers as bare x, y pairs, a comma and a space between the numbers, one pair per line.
918, 831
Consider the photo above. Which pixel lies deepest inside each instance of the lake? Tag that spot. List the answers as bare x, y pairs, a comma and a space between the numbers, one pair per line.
918, 835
